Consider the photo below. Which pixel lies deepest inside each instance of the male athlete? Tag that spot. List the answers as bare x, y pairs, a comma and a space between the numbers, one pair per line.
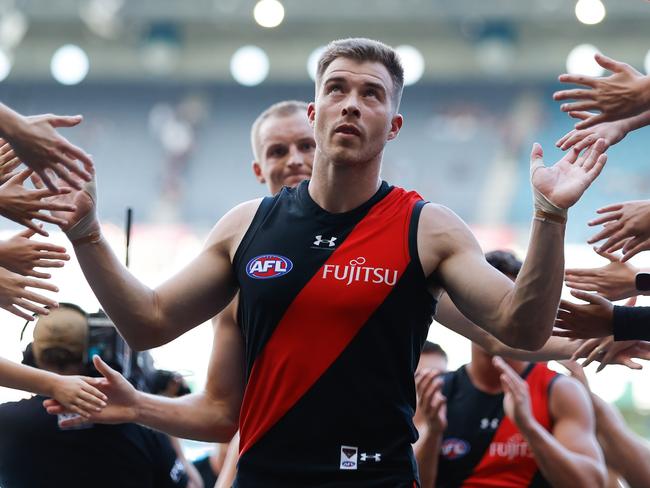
507, 423
310, 417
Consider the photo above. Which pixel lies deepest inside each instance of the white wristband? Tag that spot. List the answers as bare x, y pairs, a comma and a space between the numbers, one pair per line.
545, 205
88, 223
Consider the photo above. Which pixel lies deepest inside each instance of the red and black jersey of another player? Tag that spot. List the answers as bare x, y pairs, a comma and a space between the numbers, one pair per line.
481, 446
334, 311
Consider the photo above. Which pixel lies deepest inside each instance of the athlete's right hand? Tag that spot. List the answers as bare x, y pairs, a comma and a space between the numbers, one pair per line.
431, 402
121, 403
83, 220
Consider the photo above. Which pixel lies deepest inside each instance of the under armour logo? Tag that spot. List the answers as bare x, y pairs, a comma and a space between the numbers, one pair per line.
365, 457
330, 242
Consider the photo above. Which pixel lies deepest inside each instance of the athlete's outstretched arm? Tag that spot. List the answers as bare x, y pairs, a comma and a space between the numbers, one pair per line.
555, 347
521, 316
148, 317
211, 415
569, 455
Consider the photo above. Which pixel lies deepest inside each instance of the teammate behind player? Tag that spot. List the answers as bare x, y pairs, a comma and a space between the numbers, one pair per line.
510, 423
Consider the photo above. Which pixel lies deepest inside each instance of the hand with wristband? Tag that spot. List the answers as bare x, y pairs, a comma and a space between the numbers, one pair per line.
558, 187
82, 225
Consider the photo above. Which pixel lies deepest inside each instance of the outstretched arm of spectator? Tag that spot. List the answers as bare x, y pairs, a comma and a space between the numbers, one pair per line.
626, 226
22, 255
614, 281
612, 132
36, 143
16, 298
623, 94
77, 393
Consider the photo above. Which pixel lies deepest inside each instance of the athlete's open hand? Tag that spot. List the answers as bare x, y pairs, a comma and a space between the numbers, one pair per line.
431, 402
579, 139
78, 394
626, 227
121, 396
22, 205
83, 221
37, 144
584, 320
614, 281
516, 400
564, 183
623, 94
21, 255
16, 298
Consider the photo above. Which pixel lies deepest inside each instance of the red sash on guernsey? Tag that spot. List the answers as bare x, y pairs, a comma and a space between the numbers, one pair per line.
508, 461
327, 312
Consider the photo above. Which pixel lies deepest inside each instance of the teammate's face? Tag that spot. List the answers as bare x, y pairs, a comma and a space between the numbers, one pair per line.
353, 116
432, 361
286, 151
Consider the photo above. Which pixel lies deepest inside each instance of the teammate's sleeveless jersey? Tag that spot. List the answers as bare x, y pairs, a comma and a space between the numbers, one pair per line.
481, 446
334, 311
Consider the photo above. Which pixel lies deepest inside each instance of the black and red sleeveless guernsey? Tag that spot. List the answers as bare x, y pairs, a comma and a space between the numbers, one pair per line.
334, 311
482, 447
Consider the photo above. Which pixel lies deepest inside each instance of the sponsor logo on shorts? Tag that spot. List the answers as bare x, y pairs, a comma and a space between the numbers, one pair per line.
454, 448
268, 266
349, 455
513, 448
357, 270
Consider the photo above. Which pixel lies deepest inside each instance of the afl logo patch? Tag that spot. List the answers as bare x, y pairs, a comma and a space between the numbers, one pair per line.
268, 266
453, 448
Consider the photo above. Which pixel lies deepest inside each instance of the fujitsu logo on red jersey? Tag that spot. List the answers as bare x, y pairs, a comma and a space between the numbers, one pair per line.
356, 271
268, 266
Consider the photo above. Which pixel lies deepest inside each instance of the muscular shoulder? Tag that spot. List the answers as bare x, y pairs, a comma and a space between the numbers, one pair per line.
442, 233
568, 398
229, 231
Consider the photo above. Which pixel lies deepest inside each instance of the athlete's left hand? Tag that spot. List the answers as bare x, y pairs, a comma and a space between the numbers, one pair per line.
516, 400
564, 183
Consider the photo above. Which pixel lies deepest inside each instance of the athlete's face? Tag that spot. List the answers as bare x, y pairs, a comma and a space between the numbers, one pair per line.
286, 151
353, 116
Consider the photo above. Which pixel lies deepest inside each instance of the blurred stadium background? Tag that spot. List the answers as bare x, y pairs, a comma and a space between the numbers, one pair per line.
169, 90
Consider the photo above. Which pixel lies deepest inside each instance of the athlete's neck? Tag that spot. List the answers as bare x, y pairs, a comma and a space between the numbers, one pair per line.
340, 188
484, 375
